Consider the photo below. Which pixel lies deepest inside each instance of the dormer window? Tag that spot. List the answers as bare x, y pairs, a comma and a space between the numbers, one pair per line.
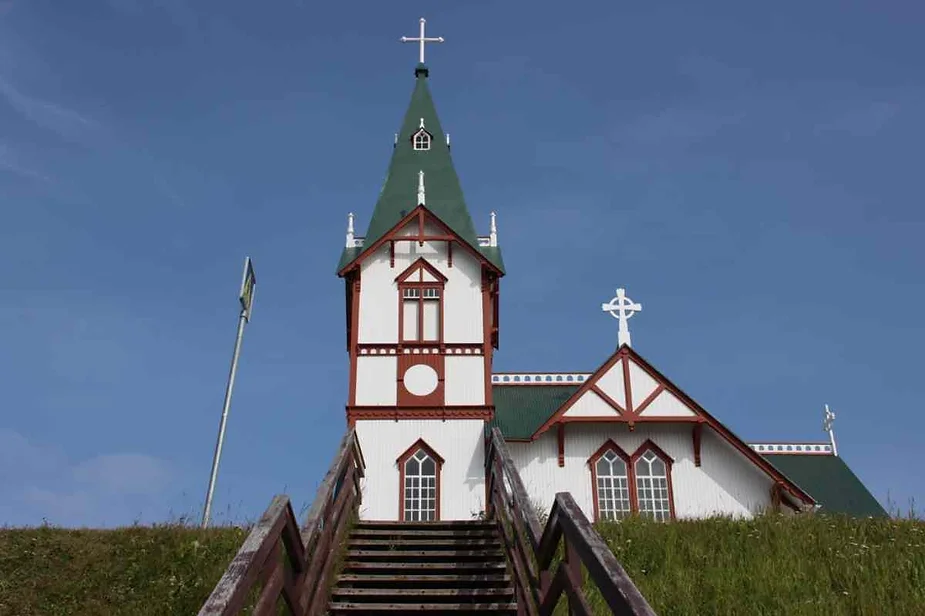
421, 140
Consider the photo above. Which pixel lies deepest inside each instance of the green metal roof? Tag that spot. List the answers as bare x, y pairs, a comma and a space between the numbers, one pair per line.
521, 409
444, 196
830, 482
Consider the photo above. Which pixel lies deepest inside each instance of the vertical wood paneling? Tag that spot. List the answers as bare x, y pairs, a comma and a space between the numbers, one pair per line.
465, 380
459, 442
591, 405
726, 483
376, 381
378, 316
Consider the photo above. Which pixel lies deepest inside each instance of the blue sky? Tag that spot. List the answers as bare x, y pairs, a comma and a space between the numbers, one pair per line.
751, 174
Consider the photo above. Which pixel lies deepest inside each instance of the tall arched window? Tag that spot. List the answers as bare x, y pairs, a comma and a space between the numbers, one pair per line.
610, 482
653, 490
622, 484
419, 470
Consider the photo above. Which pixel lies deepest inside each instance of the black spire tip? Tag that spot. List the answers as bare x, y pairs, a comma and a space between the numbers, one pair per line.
421, 70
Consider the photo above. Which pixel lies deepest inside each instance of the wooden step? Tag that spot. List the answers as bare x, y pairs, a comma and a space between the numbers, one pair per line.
431, 568
427, 555
437, 544
392, 579
418, 594
441, 525
424, 532
501, 607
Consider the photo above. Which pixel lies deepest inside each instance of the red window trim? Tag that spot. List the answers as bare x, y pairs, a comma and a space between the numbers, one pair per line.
630, 460
406, 280
419, 444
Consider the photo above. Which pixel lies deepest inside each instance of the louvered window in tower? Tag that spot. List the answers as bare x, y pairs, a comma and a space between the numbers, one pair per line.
421, 140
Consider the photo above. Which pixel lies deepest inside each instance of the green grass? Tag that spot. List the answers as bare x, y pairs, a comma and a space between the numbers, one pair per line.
168, 569
774, 565
771, 565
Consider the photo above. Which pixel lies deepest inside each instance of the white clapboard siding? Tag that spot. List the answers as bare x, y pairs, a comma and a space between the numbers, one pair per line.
666, 404
376, 378
462, 295
726, 483
591, 405
464, 381
459, 442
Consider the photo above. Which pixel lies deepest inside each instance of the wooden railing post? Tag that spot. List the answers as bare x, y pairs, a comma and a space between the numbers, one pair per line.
531, 548
301, 579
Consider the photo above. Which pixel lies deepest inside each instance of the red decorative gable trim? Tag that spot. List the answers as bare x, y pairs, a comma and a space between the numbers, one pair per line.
420, 444
634, 408
421, 214
419, 266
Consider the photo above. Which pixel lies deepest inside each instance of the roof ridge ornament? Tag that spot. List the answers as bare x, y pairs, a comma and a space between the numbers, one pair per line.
421, 188
827, 427
493, 232
622, 308
350, 235
421, 40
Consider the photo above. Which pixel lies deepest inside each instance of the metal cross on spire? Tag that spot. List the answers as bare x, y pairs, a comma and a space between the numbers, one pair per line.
622, 308
422, 40
827, 427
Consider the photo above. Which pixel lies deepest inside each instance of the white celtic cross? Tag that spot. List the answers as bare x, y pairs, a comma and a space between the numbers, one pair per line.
422, 40
622, 308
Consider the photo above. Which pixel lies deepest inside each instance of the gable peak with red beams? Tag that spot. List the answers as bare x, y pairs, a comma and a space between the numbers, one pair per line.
423, 218
421, 271
628, 389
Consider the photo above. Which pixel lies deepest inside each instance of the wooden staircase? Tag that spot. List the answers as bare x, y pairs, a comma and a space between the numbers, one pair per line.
435, 567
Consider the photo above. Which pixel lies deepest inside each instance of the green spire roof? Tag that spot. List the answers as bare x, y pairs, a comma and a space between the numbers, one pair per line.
444, 197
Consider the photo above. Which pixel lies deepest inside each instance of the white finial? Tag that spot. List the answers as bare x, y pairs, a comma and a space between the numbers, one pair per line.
422, 40
493, 232
396, 139
420, 188
350, 240
827, 427
422, 122
448, 140
622, 308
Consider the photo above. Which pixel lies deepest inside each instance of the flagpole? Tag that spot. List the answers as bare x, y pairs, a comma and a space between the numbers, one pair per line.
247, 297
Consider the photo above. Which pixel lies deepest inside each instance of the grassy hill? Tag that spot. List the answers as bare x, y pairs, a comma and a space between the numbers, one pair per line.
771, 565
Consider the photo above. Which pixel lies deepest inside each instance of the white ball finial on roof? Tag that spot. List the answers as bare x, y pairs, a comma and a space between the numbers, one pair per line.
622, 308
827, 427
421, 188
493, 232
350, 238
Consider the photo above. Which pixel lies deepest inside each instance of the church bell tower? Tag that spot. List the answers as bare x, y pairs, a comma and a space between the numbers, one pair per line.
422, 309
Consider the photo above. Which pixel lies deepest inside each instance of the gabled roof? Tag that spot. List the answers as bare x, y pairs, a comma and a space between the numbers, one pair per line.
399, 193
521, 409
627, 389
830, 482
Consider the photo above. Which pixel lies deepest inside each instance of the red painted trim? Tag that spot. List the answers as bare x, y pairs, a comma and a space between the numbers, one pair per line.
648, 401
487, 283
600, 392
449, 253
353, 284
627, 386
626, 354
485, 413
648, 445
629, 419
592, 463
418, 444
584, 387
434, 399
391, 254
561, 438
418, 267
392, 234
696, 434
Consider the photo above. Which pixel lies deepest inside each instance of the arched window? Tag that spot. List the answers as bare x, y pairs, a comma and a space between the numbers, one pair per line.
622, 484
613, 488
421, 140
419, 469
610, 482
653, 487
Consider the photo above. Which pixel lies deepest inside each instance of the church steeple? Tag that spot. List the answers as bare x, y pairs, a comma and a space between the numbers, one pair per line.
421, 146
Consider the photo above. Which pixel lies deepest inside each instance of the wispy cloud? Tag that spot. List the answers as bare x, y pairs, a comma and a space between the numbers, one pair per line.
11, 163
97, 491
56, 117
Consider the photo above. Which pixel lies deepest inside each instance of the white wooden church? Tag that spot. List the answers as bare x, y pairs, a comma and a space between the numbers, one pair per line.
422, 328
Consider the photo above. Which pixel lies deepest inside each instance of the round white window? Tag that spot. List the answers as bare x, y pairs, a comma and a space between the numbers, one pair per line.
420, 380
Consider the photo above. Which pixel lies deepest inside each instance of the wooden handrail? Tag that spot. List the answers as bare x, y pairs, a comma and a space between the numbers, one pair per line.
531, 548
291, 563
